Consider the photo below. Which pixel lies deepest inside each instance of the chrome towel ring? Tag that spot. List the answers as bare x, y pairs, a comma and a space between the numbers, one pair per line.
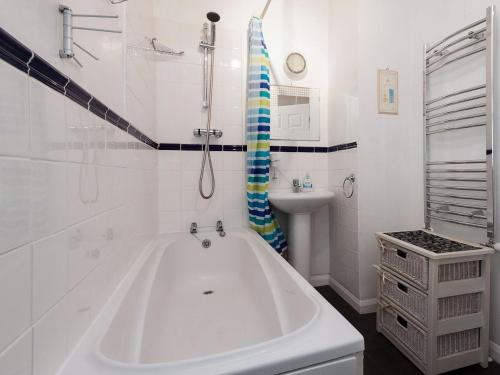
352, 180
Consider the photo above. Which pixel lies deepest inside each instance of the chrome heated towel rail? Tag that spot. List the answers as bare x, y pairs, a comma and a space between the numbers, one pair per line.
460, 191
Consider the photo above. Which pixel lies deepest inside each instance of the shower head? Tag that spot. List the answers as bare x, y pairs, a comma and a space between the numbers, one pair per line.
213, 17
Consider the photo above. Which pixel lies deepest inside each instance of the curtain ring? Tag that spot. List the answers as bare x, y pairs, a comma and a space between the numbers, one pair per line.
351, 179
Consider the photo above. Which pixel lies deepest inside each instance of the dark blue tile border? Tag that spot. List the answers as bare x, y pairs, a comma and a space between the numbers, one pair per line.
76, 93
21, 57
289, 149
233, 148
14, 52
240, 148
170, 146
97, 108
191, 147
321, 149
305, 149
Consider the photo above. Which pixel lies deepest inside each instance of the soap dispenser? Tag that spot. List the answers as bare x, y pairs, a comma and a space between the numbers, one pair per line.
307, 183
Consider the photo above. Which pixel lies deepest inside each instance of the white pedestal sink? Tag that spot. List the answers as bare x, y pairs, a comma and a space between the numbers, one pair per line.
299, 207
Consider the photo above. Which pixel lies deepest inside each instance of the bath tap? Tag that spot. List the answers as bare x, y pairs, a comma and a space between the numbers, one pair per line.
219, 227
194, 228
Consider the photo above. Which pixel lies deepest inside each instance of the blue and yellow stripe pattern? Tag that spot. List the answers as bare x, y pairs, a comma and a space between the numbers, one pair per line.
261, 217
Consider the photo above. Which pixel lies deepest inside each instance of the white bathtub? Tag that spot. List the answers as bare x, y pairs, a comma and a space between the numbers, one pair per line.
234, 308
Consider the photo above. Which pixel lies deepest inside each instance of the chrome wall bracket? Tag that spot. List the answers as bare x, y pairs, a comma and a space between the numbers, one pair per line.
68, 42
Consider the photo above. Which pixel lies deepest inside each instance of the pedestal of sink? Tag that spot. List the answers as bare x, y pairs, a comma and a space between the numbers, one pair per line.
299, 243
299, 207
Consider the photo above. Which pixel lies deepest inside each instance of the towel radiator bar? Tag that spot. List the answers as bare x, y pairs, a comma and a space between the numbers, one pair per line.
466, 108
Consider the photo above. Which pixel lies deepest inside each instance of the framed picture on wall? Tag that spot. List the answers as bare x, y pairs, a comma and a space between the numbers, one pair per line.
388, 93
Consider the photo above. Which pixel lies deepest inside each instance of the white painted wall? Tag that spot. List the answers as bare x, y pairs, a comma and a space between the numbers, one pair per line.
343, 107
78, 197
389, 154
391, 34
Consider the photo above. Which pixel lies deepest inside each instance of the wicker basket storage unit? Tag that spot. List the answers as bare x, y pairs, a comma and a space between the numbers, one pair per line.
433, 304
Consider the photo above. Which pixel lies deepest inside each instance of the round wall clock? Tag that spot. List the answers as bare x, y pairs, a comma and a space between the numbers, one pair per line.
296, 63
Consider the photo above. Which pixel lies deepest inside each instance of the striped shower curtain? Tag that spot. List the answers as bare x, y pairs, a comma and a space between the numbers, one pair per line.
261, 217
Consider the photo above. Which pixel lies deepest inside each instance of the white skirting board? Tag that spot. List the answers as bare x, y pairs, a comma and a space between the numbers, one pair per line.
361, 306
495, 351
320, 280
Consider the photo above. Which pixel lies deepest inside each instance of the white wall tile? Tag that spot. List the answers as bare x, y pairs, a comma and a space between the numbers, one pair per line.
50, 272
170, 192
47, 123
14, 125
49, 198
169, 161
78, 312
101, 183
17, 359
79, 185
170, 222
86, 243
15, 182
15, 294
50, 346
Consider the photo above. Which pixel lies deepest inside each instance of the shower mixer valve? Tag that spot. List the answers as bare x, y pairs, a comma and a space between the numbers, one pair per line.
211, 133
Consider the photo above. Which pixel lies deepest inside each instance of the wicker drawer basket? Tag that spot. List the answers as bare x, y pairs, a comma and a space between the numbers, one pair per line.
458, 342
458, 306
409, 264
405, 296
404, 331
459, 271
434, 300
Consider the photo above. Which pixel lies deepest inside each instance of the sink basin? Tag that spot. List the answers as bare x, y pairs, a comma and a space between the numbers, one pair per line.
300, 203
300, 206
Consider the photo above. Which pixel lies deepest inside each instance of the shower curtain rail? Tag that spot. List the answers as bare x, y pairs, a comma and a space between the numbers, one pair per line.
264, 11
459, 92
463, 29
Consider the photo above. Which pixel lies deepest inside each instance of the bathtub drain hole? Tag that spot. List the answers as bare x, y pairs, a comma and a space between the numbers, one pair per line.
208, 292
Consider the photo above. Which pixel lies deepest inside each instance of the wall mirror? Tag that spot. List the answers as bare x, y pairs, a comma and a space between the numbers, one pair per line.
294, 113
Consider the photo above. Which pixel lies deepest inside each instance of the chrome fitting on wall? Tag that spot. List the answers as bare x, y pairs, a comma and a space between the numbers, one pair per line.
211, 133
67, 52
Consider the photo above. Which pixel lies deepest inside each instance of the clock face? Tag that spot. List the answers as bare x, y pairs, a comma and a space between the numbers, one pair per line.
296, 63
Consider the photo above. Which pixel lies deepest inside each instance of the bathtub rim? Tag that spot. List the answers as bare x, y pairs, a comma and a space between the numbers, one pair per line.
81, 360
215, 356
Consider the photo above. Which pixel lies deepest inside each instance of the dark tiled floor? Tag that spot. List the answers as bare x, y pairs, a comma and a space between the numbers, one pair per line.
381, 357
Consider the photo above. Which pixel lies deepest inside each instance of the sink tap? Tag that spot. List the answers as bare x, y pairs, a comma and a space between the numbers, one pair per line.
296, 185
219, 227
